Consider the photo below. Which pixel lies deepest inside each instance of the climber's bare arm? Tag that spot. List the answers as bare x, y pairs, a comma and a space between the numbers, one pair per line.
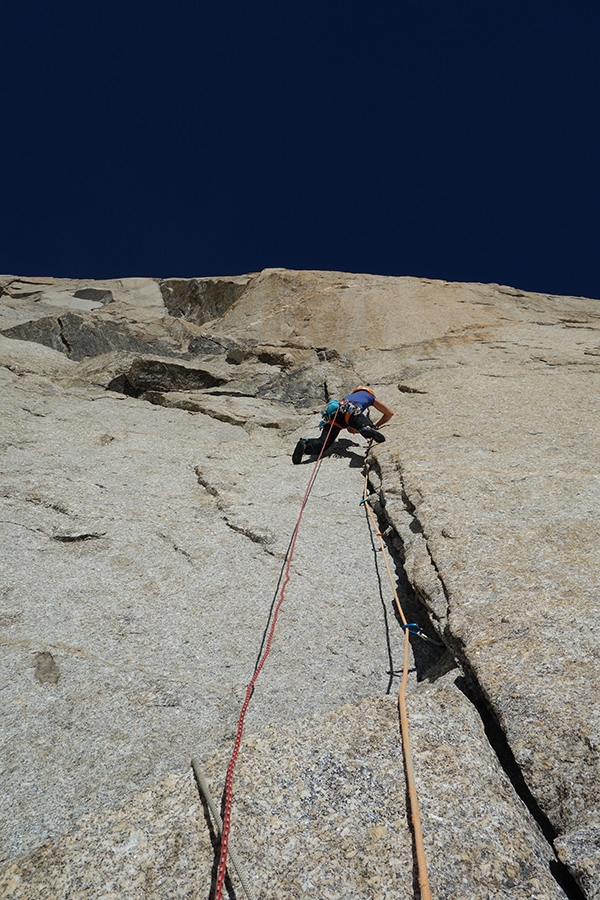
386, 413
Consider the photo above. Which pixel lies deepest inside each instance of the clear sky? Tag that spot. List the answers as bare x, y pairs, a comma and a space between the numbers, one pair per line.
454, 140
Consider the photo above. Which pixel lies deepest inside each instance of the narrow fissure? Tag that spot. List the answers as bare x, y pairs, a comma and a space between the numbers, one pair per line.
259, 539
431, 662
432, 658
470, 687
63, 340
391, 673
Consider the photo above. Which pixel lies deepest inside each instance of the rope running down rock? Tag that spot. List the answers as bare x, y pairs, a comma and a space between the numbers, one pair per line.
406, 745
228, 799
235, 862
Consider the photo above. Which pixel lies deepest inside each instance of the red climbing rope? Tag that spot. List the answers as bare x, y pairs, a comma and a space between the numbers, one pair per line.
250, 689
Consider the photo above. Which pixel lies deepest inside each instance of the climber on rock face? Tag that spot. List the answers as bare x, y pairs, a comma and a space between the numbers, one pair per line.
350, 414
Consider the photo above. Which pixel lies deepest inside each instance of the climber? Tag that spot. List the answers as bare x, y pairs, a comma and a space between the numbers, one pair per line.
350, 414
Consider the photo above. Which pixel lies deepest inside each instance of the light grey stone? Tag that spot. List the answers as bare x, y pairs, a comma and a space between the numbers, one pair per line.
154, 607
498, 465
142, 546
235, 410
27, 299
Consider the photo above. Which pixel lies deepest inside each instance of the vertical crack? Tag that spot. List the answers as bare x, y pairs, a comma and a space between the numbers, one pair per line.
63, 340
498, 741
437, 607
431, 657
468, 684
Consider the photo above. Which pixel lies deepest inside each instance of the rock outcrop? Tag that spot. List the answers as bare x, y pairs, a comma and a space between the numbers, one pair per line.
148, 500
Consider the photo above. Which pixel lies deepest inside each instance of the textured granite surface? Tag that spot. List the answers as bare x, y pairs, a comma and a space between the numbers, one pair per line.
319, 810
581, 852
143, 542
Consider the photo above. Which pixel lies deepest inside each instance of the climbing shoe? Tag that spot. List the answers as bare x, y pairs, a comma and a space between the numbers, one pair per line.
371, 434
299, 451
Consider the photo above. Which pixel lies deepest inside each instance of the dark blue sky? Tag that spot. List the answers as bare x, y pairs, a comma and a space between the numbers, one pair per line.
453, 140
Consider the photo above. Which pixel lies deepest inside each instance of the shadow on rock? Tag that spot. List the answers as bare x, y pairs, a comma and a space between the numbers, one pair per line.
341, 449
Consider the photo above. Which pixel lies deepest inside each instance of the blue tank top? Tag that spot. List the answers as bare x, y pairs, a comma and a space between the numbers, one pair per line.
361, 398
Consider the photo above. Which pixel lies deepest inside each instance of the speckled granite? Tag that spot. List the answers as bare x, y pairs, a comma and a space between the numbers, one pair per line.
155, 846
343, 787
319, 810
493, 484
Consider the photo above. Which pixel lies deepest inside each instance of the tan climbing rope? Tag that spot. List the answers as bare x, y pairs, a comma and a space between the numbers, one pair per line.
406, 746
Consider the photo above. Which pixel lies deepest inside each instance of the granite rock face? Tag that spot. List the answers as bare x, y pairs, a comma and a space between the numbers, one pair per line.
324, 815
148, 500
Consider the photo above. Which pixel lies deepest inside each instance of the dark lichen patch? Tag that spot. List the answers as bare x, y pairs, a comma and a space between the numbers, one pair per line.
407, 389
46, 669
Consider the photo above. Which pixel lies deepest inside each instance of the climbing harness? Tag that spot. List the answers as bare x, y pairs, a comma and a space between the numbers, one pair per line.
348, 409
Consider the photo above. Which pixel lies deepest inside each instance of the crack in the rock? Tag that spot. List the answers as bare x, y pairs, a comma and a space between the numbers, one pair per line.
560, 364
37, 501
176, 547
214, 340
208, 487
63, 340
251, 535
416, 528
256, 538
406, 389
26, 527
222, 392
63, 537
227, 418
470, 686
79, 536
427, 652
261, 540
426, 655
